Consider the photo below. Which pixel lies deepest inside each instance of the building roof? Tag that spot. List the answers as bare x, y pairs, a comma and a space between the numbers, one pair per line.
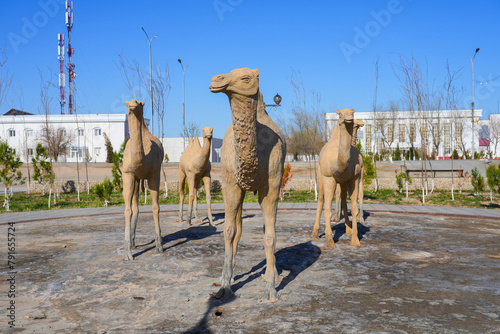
15, 112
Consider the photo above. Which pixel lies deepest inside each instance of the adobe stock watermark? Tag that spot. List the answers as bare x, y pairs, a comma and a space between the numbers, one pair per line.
363, 36
223, 6
31, 26
484, 88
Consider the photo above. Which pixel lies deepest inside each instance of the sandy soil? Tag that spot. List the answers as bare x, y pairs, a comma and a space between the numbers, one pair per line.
413, 274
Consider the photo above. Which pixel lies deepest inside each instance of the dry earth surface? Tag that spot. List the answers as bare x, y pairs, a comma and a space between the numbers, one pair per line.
413, 274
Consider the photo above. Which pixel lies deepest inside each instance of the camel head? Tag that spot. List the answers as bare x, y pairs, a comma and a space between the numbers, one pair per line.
358, 123
346, 116
207, 132
134, 107
241, 81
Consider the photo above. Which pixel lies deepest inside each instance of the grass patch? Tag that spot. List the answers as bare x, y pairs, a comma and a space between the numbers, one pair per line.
21, 202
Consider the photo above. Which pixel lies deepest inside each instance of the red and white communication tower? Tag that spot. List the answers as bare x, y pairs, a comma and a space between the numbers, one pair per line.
62, 78
71, 51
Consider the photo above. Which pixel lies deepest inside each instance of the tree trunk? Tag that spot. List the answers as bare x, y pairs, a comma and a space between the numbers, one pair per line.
50, 195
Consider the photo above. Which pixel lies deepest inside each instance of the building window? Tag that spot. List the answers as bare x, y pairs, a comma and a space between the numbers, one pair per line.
368, 138
458, 134
29, 133
62, 132
390, 133
447, 138
30, 152
97, 151
424, 133
402, 133
435, 133
412, 133
97, 132
11, 132
80, 132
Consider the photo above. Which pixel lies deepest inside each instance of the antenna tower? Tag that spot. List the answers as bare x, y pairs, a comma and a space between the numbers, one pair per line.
71, 51
62, 78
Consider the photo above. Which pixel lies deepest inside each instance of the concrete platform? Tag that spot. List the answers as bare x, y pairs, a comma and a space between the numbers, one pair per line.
415, 273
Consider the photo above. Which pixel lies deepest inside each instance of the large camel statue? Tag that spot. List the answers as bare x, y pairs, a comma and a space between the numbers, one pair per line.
253, 152
142, 159
195, 165
339, 162
336, 217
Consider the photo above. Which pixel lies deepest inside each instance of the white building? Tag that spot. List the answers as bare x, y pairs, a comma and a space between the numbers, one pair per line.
439, 132
175, 146
23, 131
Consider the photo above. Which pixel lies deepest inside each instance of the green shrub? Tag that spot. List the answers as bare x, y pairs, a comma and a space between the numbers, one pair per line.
477, 180
400, 180
104, 190
396, 155
493, 178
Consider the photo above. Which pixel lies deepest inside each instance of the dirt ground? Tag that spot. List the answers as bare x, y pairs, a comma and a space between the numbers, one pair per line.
412, 274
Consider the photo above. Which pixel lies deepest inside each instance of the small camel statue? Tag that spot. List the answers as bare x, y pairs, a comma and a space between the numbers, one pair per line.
339, 162
195, 165
336, 217
253, 153
142, 159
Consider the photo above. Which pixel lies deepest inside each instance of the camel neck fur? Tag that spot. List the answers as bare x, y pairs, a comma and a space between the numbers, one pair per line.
244, 111
344, 137
138, 131
206, 147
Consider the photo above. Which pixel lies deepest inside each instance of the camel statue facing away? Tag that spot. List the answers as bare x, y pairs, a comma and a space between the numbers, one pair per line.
142, 159
340, 162
253, 152
195, 165
336, 217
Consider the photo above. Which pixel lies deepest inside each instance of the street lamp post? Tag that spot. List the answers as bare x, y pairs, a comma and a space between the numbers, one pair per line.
150, 75
472, 104
183, 100
277, 101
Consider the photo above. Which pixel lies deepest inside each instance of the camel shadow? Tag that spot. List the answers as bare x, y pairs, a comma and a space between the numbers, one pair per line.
294, 259
222, 215
189, 234
339, 230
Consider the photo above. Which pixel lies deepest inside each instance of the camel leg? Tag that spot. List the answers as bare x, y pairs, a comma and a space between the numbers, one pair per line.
182, 182
353, 192
336, 218
319, 207
233, 199
269, 205
195, 204
135, 214
343, 200
361, 196
206, 183
239, 225
154, 191
192, 196
329, 189
129, 184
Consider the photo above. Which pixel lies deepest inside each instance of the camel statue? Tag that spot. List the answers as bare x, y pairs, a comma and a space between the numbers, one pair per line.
195, 164
336, 217
339, 163
253, 153
142, 159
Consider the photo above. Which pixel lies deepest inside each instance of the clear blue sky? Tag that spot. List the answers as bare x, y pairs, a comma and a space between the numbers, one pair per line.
214, 37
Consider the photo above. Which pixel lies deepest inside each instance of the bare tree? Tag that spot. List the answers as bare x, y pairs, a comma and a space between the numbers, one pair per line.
192, 130
131, 74
306, 133
494, 134
161, 88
